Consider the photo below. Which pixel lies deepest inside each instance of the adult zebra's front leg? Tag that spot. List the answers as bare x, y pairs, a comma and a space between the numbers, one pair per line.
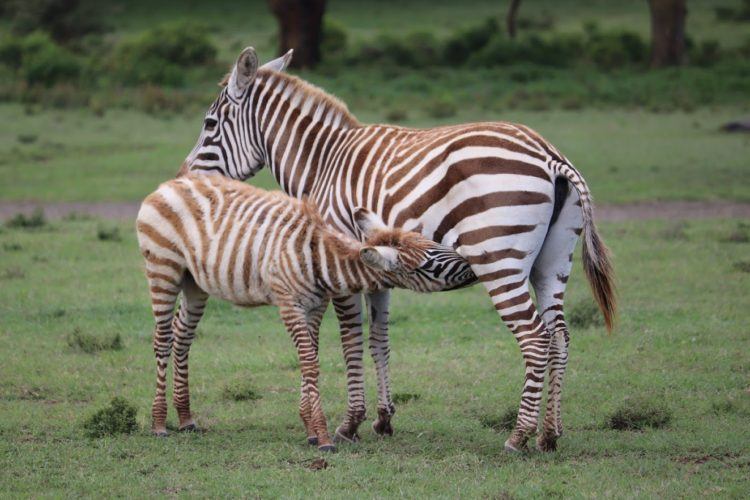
380, 350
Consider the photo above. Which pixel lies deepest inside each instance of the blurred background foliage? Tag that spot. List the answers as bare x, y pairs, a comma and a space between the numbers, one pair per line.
396, 58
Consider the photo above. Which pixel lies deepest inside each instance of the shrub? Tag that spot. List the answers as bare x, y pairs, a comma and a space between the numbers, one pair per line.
90, 344
240, 390
416, 50
461, 46
504, 422
38, 60
405, 397
441, 107
614, 49
584, 315
162, 54
637, 414
111, 233
63, 20
117, 418
334, 39
707, 53
33, 221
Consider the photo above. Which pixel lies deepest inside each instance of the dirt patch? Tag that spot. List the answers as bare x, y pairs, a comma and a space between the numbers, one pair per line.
667, 210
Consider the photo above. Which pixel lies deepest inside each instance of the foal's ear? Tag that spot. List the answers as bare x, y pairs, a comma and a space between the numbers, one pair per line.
280, 63
243, 72
368, 222
380, 257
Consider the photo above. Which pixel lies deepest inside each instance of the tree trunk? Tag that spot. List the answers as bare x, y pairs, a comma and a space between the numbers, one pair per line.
300, 28
667, 32
511, 17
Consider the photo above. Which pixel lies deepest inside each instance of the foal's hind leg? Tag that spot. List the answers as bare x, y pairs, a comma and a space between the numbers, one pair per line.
164, 285
314, 318
191, 310
549, 277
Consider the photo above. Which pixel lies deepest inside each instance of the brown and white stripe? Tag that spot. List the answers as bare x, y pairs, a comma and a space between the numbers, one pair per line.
212, 236
497, 192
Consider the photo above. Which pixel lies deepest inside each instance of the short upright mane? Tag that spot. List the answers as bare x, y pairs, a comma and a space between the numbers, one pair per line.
316, 94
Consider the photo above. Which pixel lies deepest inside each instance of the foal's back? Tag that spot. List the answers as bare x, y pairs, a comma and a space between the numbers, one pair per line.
232, 238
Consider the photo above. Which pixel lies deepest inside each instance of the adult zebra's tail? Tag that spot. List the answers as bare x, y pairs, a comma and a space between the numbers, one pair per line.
595, 255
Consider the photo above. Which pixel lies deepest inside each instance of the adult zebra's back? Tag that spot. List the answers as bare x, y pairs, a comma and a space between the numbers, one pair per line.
497, 192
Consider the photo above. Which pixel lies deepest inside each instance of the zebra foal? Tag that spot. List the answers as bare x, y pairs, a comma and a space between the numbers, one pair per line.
212, 236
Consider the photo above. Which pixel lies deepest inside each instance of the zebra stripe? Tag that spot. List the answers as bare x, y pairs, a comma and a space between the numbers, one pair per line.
497, 192
208, 235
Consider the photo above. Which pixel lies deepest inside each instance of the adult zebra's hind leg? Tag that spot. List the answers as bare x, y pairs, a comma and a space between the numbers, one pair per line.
549, 277
192, 306
380, 351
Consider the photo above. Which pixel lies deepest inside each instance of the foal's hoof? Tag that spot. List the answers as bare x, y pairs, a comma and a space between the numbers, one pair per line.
382, 428
312, 440
190, 428
160, 434
513, 449
341, 436
327, 448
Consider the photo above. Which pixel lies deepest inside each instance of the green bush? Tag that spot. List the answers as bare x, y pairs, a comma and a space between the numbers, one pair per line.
117, 418
63, 20
463, 44
161, 55
615, 49
38, 60
334, 39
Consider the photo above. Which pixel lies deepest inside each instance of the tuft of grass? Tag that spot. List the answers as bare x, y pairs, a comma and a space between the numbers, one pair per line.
442, 107
23, 221
584, 315
638, 414
739, 235
12, 273
396, 115
405, 397
111, 233
240, 390
90, 344
27, 138
12, 247
116, 418
675, 231
503, 422
742, 266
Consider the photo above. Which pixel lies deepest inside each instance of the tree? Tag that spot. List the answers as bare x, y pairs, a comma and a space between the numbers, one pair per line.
300, 28
667, 32
511, 17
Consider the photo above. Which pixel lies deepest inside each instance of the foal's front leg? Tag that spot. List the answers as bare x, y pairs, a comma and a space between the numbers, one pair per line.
314, 318
295, 320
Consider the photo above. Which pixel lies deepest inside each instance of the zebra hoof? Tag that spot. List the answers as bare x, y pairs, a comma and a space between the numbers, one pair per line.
190, 428
312, 440
546, 443
510, 448
340, 437
382, 428
160, 434
328, 448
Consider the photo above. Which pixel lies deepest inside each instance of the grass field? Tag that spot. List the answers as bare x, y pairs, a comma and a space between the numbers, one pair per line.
675, 347
77, 285
625, 155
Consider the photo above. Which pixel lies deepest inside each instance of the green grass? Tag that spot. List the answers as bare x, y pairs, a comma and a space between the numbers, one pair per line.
625, 155
682, 343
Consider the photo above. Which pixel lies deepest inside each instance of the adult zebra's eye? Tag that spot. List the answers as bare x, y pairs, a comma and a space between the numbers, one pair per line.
210, 123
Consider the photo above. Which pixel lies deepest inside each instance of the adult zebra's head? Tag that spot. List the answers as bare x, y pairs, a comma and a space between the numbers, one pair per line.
229, 142
411, 260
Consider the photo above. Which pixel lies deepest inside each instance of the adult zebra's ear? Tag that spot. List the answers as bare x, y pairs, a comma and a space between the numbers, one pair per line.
280, 63
368, 222
380, 258
243, 72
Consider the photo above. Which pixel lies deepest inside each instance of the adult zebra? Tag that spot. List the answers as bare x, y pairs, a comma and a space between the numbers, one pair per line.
497, 192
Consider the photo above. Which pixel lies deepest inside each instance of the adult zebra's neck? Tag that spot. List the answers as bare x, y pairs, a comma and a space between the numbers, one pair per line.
298, 125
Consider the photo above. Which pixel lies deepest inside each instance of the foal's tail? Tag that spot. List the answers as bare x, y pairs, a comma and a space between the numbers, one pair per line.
596, 257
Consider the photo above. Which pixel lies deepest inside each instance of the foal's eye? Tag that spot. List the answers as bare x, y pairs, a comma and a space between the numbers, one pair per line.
210, 123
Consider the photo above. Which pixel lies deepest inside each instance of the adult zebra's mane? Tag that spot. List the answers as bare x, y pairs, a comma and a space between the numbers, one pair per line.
320, 98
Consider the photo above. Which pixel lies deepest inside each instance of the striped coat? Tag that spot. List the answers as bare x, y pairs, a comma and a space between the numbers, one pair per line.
211, 236
505, 198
